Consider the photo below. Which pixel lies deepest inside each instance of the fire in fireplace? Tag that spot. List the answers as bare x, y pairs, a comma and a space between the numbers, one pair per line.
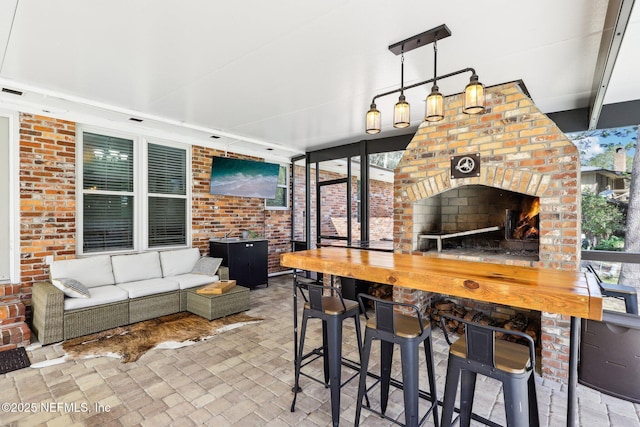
525, 223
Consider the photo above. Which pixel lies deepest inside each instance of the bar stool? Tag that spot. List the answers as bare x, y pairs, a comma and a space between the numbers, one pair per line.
391, 327
478, 351
332, 310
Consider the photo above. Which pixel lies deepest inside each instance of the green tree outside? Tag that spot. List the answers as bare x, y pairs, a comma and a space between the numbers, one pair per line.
599, 219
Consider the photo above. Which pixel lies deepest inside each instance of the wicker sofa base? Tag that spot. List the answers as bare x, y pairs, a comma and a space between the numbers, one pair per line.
152, 306
89, 320
215, 306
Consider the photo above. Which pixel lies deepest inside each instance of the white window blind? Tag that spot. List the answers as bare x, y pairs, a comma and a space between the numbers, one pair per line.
134, 194
167, 195
108, 198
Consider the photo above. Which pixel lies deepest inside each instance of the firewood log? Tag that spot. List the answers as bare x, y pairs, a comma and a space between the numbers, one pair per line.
532, 331
444, 305
470, 315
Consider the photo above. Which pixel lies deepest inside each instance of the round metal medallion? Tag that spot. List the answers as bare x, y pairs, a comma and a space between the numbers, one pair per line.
466, 164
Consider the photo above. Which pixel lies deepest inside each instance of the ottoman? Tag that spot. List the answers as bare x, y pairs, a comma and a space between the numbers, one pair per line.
212, 306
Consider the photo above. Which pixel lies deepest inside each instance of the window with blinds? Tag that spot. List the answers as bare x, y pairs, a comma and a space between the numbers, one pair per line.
120, 213
108, 197
167, 195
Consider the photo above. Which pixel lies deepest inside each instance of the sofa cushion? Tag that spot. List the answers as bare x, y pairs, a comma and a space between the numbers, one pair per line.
136, 267
179, 261
71, 287
99, 295
91, 272
190, 280
207, 265
143, 288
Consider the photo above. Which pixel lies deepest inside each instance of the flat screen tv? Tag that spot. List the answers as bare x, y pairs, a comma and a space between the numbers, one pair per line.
244, 178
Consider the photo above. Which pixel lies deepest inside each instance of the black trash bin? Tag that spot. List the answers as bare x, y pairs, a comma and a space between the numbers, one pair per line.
610, 355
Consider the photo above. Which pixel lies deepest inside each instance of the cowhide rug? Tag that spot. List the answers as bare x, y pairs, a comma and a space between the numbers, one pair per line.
130, 342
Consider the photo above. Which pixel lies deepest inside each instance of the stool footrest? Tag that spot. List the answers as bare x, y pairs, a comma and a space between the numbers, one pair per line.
386, 417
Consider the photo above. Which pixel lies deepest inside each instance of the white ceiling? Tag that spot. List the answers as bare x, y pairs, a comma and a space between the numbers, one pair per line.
290, 75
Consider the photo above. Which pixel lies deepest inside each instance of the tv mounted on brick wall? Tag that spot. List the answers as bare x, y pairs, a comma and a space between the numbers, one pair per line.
244, 178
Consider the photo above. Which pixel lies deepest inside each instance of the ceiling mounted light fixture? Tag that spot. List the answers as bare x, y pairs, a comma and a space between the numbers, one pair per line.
473, 92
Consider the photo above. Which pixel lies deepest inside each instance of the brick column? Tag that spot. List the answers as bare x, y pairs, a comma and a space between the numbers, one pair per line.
13, 329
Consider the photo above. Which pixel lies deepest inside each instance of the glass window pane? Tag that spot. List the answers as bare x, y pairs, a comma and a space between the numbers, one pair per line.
108, 222
333, 211
355, 188
107, 163
167, 169
167, 221
282, 175
280, 199
298, 208
381, 169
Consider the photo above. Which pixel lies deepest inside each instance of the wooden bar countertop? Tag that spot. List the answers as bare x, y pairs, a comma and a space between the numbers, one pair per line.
555, 291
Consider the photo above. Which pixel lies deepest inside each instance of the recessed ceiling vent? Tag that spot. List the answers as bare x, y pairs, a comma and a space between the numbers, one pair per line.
215, 137
12, 91
135, 119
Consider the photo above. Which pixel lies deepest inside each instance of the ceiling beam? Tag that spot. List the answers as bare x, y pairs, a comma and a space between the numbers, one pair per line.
619, 114
615, 25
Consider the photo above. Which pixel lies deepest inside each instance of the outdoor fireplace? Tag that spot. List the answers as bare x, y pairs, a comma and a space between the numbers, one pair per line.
520, 206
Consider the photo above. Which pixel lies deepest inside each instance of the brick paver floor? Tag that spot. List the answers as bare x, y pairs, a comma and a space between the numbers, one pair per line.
243, 377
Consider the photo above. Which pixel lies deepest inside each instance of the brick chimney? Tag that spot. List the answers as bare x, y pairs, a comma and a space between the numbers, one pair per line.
521, 152
620, 160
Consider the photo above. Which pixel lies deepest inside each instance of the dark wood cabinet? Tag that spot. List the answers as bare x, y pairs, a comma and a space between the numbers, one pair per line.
247, 259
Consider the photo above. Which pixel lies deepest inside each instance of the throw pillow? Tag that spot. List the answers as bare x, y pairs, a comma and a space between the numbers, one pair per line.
71, 288
207, 265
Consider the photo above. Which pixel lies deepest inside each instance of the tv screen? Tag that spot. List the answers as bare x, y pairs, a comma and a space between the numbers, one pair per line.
244, 178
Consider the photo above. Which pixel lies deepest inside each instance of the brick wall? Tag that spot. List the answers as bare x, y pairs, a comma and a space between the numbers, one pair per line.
48, 203
47, 196
215, 215
381, 199
521, 151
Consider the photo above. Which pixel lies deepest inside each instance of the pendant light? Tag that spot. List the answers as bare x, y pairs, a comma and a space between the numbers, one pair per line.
435, 100
474, 96
373, 119
401, 111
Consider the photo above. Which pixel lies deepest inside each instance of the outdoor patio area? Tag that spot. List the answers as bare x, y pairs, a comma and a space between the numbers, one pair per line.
244, 377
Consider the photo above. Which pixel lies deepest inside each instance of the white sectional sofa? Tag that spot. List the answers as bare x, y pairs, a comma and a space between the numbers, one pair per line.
88, 295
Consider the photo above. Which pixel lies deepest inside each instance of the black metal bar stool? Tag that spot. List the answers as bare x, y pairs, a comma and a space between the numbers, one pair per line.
391, 327
478, 351
332, 309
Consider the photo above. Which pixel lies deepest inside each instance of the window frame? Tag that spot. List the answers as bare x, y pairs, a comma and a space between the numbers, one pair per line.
287, 190
12, 199
140, 190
